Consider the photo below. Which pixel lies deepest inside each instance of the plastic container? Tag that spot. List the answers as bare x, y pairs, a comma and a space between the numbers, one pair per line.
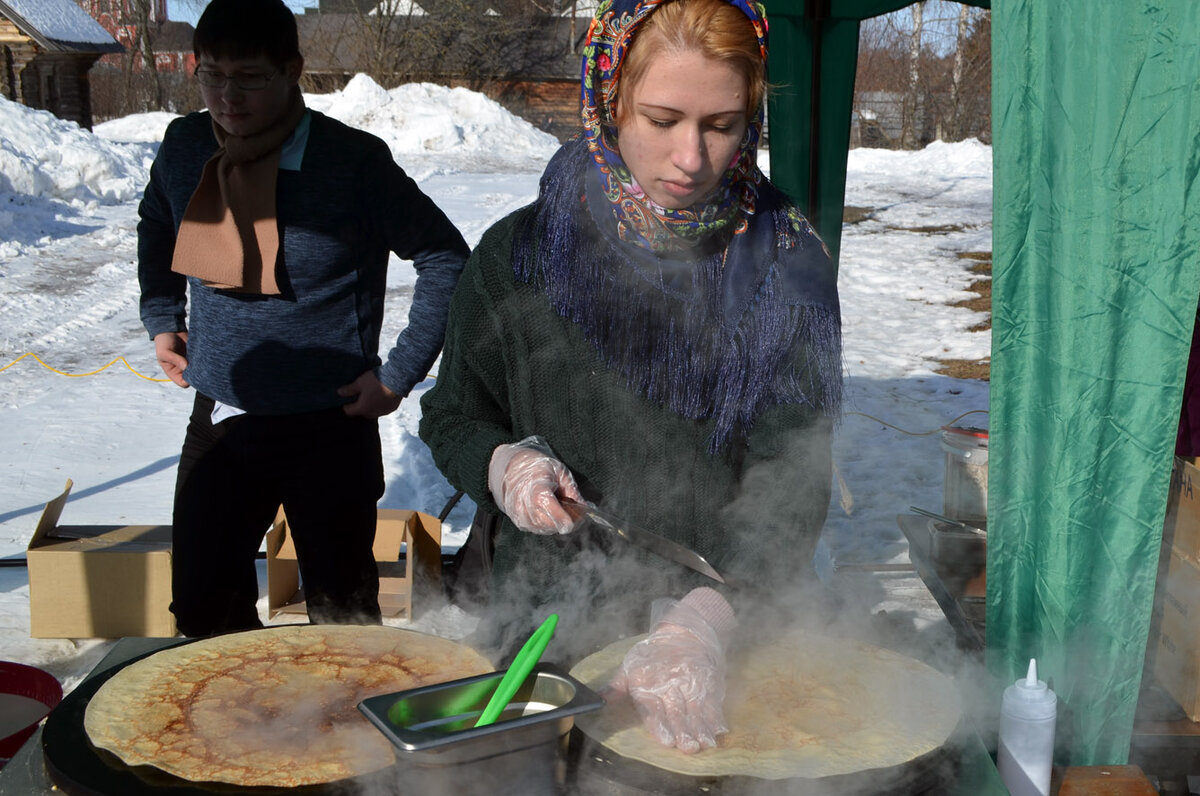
1025, 757
966, 479
27, 694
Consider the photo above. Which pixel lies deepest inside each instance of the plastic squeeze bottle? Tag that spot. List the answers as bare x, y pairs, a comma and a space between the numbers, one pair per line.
1025, 756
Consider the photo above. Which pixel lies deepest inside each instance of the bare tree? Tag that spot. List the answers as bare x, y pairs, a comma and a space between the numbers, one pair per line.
131, 82
964, 17
975, 92
144, 48
942, 90
462, 42
908, 136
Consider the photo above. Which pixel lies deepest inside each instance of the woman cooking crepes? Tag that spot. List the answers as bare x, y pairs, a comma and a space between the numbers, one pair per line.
657, 334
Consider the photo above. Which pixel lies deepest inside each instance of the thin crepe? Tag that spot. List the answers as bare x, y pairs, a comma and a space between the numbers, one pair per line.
273, 707
800, 706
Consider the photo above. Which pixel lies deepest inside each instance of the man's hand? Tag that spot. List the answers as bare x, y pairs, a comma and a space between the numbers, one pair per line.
170, 349
371, 399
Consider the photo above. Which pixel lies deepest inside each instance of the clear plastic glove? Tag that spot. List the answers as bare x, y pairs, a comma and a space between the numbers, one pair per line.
526, 481
676, 675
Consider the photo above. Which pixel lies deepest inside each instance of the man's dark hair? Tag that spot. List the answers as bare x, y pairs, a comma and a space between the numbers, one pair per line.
247, 29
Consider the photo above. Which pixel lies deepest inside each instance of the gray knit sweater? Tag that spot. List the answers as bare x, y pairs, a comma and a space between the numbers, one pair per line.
340, 215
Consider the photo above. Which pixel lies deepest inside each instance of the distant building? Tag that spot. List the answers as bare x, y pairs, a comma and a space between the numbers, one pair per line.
46, 50
878, 120
116, 14
168, 43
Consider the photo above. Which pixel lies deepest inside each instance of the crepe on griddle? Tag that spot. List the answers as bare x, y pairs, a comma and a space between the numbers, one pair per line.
274, 707
800, 706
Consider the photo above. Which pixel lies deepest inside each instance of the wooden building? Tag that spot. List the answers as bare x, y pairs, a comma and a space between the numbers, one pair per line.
46, 50
528, 63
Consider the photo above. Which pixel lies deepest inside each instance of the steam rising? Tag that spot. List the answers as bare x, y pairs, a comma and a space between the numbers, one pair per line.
607, 590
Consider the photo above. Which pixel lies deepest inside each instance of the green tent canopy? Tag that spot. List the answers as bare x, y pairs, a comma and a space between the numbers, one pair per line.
1096, 275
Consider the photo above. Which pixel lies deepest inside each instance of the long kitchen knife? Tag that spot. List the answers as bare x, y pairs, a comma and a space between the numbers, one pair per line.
659, 545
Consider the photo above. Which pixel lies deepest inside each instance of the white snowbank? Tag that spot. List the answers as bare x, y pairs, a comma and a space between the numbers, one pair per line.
428, 119
46, 157
42, 155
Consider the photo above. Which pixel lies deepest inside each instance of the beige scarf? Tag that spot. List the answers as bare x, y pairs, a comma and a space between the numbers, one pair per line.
229, 236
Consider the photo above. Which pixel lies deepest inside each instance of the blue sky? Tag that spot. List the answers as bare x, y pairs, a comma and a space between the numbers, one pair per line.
189, 10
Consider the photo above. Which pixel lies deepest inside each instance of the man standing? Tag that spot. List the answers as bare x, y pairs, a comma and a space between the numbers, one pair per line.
276, 222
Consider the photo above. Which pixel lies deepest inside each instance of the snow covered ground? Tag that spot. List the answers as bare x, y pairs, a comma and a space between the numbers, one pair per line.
68, 295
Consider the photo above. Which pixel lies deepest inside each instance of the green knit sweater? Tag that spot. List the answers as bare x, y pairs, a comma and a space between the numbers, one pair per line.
513, 368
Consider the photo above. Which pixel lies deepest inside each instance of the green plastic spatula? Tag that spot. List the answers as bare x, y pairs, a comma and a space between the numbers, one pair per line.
526, 659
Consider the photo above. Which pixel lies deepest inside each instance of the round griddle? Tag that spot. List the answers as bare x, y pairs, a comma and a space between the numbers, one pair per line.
80, 768
598, 771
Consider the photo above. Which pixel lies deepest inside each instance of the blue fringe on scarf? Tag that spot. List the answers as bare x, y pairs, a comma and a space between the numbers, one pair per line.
726, 335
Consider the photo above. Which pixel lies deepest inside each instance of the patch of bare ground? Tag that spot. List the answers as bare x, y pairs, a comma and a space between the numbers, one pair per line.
934, 229
981, 302
855, 215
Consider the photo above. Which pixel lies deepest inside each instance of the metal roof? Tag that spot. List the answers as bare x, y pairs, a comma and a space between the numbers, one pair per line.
59, 26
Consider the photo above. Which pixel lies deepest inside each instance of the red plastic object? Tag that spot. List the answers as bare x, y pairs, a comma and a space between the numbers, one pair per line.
967, 431
31, 682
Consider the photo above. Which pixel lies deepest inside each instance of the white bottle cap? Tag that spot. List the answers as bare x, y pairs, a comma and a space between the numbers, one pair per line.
1034, 697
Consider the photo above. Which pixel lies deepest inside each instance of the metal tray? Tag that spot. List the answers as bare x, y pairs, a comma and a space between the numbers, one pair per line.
434, 725
957, 544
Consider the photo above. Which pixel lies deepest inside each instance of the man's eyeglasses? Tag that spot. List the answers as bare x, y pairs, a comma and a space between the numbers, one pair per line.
252, 82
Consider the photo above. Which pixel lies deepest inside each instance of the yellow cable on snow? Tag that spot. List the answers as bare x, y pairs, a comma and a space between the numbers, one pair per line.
122, 360
132, 370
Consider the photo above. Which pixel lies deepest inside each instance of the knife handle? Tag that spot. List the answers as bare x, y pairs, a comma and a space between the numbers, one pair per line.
575, 510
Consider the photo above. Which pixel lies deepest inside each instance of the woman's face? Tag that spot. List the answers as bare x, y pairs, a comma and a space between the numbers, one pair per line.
242, 111
681, 127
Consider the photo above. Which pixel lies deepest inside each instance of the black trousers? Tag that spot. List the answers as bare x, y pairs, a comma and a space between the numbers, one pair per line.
324, 468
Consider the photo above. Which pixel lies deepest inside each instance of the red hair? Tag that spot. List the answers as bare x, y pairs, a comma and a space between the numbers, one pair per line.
714, 28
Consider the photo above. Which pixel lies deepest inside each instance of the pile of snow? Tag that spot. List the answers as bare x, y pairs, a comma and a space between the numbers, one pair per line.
428, 119
44, 156
140, 128
915, 189
414, 119
940, 160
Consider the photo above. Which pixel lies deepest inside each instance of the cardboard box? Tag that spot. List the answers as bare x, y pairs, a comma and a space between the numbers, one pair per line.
1104, 781
98, 581
1177, 656
419, 573
1181, 529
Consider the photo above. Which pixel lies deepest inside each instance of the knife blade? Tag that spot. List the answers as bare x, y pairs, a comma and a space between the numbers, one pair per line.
648, 540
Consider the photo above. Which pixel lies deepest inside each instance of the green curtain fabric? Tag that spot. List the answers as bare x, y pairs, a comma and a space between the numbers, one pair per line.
1096, 131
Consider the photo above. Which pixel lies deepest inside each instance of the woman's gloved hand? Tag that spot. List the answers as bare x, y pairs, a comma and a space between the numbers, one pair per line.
526, 481
676, 675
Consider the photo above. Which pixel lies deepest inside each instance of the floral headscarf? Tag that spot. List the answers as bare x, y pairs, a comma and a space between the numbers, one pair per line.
718, 311
639, 219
